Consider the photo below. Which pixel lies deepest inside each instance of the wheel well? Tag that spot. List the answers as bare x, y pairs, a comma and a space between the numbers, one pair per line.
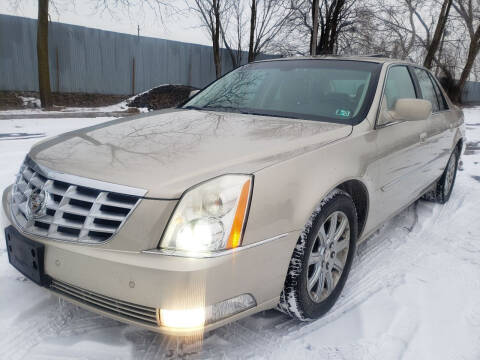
358, 191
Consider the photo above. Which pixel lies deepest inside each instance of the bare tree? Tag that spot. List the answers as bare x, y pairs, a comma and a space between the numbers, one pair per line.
334, 18
365, 36
159, 7
469, 11
314, 36
439, 33
42, 55
268, 19
42, 36
423, 31
211, 13
405, 28
233, 29
397, 23
253, 23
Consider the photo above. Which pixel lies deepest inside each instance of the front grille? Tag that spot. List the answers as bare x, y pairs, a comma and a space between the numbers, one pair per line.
73, 212
133, 312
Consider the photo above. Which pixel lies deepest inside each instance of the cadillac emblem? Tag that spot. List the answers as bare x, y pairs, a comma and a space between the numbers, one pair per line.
37, 204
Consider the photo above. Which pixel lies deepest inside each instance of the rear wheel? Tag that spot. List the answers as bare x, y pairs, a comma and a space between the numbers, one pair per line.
322, 259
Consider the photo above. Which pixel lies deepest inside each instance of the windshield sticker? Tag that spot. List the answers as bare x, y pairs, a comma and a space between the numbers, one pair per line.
341, 112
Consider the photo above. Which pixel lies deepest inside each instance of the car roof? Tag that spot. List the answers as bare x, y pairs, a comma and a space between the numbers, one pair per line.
372, 58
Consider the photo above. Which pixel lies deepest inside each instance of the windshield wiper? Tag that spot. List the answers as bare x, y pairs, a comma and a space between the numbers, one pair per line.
213, 108
193, 108
222, 108
245, 111
252, 112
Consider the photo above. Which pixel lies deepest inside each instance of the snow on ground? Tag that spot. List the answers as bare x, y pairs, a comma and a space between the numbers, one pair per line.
122, 106
413, 292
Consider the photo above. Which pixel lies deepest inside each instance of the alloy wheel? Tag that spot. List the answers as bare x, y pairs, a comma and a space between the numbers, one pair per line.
450, 175
328, 256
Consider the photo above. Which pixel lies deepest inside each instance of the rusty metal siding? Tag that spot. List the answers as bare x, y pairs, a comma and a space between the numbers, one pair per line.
97, 61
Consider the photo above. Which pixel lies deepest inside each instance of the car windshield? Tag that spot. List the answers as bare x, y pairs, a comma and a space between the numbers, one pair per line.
325, 90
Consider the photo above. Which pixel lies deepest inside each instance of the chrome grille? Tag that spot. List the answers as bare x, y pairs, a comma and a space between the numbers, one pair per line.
73, 212
124, 309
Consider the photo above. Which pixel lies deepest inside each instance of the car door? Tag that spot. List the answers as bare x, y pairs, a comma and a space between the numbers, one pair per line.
400, 146
439, 139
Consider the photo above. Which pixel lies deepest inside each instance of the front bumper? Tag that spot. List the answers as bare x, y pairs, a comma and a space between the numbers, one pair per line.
159, 281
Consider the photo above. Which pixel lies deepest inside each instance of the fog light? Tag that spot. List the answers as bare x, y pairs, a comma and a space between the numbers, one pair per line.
182, 319
198, 317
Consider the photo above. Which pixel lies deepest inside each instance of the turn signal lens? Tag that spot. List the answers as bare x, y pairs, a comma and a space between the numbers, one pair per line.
238, 221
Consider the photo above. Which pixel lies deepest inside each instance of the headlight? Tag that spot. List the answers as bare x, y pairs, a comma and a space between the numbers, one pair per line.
210, 216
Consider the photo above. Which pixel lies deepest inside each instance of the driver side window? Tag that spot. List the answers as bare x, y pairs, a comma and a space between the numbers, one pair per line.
398, 85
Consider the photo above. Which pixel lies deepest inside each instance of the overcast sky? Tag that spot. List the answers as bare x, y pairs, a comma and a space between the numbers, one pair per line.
181, 25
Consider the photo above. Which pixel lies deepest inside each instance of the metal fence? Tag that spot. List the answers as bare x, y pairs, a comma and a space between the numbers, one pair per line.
471, 93
104, 62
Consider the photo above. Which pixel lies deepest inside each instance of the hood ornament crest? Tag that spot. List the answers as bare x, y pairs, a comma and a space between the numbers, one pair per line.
37, 204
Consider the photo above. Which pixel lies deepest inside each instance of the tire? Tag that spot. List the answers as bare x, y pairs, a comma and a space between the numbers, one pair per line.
444, 186
299, 298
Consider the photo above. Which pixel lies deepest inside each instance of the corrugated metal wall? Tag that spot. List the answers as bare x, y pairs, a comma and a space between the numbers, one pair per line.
95, 61
471, 93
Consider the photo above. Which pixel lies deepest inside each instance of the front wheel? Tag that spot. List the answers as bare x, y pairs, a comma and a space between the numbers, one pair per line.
322, 259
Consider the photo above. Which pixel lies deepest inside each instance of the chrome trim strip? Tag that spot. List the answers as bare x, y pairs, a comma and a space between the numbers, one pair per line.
82, 181
381, 126
215, 254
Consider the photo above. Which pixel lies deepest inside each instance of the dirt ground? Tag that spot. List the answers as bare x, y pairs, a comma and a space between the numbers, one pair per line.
11, 100
155, 99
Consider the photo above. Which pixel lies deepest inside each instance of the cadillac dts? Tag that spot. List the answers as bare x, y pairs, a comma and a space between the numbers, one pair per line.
252, 195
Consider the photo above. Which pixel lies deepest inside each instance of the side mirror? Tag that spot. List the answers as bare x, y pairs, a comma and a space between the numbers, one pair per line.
193, 93
412, 109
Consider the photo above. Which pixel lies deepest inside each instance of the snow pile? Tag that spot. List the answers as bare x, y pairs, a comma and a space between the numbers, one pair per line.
413, 291
31, 102
161, 97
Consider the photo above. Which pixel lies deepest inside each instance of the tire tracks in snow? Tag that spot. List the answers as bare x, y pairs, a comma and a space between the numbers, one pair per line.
381, 264
53, 321
26, 334
373, 271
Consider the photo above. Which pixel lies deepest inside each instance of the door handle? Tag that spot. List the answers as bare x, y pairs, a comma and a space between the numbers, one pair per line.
423, 137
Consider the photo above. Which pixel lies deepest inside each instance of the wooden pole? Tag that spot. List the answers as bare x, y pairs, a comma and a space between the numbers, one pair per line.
133, 76
42, 55
58, 70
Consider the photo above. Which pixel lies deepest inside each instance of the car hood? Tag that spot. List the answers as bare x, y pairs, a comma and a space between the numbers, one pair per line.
167, 152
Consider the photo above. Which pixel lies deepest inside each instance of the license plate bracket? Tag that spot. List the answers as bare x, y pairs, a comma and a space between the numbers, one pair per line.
26, 255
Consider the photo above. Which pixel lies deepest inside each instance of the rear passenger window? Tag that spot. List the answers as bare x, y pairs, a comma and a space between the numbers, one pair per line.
426, 87
398, 86
442, 103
